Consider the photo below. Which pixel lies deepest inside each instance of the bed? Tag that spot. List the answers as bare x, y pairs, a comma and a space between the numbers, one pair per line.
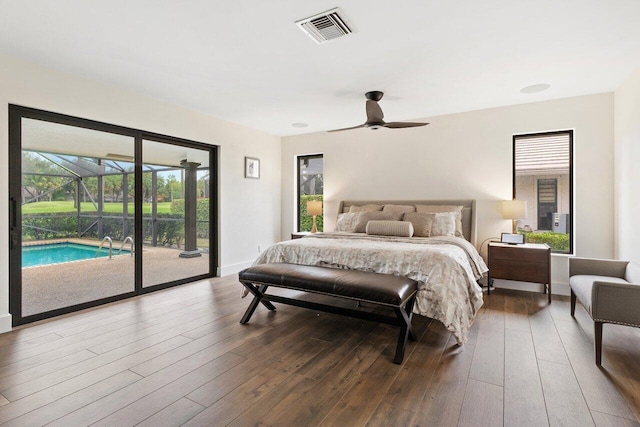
446, 267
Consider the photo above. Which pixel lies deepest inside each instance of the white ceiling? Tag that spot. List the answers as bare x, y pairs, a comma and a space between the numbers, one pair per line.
248, 63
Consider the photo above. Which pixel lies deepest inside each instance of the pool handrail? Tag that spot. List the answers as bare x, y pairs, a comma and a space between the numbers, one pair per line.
124, 242
107, 239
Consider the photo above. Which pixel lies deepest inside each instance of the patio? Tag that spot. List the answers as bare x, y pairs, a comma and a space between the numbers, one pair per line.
54, 286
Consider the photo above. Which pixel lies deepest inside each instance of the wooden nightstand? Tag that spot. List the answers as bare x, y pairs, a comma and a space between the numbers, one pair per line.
530, 262
299, 234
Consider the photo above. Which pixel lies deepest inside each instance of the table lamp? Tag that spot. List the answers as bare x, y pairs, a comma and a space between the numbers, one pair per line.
514, 210
314, 208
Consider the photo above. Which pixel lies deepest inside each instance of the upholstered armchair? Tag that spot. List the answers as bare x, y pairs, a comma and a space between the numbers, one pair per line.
609, 290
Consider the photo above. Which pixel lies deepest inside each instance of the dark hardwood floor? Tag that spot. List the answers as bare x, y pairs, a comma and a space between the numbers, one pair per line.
180, 356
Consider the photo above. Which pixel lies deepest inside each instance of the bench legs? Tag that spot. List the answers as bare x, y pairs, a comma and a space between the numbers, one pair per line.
598, 342
406, 331
597, 331
402, 319
258, 293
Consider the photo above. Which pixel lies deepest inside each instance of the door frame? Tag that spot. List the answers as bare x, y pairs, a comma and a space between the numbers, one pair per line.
16, 113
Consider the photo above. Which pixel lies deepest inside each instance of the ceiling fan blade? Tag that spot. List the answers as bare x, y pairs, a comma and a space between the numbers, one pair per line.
399, 125
374, 112
340, 130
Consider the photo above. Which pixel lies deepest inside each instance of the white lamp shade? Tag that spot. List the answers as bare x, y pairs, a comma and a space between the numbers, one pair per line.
314, 207
514, 209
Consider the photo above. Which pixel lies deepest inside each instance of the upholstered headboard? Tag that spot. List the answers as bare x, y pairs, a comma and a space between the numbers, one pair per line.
468, 213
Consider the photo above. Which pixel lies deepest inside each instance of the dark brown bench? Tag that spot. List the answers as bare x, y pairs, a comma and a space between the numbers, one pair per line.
396, 292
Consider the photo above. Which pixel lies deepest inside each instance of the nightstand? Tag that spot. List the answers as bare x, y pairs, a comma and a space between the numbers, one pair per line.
530, 262
299, 234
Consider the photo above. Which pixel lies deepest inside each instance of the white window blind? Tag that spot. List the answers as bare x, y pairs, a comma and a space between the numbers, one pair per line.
542, 154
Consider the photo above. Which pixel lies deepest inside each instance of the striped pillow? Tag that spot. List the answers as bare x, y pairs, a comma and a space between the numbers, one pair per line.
390, 228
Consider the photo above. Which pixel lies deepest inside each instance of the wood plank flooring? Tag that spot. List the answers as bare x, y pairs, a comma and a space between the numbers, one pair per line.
181, 357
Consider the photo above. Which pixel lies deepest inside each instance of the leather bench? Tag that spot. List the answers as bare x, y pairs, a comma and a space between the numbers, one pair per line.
387, 290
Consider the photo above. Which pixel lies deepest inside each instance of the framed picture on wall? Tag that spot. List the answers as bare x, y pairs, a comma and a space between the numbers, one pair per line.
251, 167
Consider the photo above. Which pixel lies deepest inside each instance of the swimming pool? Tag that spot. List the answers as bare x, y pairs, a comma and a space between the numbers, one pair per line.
55, 253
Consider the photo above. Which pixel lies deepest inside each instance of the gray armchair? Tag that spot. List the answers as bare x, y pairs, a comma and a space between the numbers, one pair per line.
609, 290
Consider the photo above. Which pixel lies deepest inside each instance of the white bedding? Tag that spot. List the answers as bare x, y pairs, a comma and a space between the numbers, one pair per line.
446, 268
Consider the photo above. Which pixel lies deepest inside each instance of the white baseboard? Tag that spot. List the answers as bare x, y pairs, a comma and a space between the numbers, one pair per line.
5, 323
227, 270
556, 288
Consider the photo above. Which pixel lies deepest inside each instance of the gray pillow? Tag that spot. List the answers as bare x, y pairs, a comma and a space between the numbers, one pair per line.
421, 223
399, 208
365, 217
390, 228
365, 208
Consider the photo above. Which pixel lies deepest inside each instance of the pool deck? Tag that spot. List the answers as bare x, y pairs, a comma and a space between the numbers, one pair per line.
54, 286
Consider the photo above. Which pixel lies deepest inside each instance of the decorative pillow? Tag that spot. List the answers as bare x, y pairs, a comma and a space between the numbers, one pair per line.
421, 223
365, 208
347, 222
365, 217
445, 208
399, 208
390, 228
444, 224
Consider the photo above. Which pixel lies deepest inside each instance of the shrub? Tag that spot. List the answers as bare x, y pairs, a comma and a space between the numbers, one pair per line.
559, 242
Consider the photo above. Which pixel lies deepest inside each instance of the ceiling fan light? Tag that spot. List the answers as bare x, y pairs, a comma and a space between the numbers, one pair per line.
374, 127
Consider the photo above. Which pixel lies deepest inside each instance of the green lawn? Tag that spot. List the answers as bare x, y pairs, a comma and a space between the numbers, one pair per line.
114, 208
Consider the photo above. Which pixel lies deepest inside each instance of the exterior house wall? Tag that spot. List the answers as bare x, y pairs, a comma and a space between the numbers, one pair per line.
527, 189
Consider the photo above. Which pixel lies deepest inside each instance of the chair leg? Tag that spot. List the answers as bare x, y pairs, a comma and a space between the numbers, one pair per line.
573, 303
598, 342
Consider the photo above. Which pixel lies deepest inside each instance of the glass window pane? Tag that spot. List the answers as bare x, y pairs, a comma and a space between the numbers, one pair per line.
175, 215
543, 177
73, 222
310, 189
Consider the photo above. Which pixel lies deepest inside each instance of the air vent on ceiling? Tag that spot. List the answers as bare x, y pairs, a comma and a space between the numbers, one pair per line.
326, 26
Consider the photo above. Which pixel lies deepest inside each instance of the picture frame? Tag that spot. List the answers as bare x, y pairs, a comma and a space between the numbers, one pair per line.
252, 167
512, 239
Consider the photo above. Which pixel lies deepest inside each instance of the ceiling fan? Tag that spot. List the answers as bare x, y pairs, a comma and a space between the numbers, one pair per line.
375, 116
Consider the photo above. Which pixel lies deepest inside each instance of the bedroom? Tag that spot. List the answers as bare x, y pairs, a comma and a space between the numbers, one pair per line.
257, 213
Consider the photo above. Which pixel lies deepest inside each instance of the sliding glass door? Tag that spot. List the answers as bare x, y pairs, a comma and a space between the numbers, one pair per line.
175, 227
100, 212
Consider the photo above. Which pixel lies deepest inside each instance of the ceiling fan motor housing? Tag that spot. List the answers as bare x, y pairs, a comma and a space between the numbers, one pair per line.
374, 95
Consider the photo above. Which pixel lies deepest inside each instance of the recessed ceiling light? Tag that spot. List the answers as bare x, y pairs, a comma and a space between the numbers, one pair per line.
299, 125
535, 88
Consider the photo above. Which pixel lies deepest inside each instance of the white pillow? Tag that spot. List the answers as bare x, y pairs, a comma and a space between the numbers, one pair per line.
347, 222
444, 224
390, 228
457, 209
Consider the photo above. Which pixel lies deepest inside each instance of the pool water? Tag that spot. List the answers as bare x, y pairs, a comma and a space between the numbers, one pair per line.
55, 253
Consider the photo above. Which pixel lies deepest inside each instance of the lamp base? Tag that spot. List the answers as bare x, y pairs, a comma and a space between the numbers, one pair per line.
314, 229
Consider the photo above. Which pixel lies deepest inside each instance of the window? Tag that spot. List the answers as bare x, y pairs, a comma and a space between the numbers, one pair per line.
543, 177
309, 189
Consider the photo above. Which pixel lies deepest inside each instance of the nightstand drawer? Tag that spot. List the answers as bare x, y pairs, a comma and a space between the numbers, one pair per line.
530, 262
520, 254
519, 270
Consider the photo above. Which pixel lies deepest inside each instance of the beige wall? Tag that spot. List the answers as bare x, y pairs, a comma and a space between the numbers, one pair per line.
249, 208
467, 155
627, 168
